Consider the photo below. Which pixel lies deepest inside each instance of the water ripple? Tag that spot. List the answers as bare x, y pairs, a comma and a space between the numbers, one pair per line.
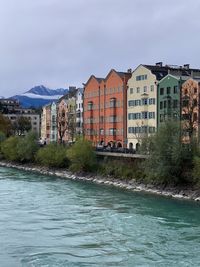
53, 222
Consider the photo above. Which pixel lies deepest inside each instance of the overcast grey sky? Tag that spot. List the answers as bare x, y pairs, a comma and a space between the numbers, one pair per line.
59, 43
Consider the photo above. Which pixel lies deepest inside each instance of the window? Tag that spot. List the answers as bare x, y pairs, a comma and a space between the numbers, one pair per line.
161, 105
101, 131
138, 102
134, 116
194, 102
112, 102
144, 101
175, 115
90, 105
152, 88
185, 102
175, 103
195, 116
113, 119
152, 101
112, 131
165, 104
161, 117
152, 129
101, 119
168, 90
151, 115
195, 90
131, 90
138, 89
131, 129
175, 89
131, 103
161, 91
145, 89
144, 115
185, 116
141, 77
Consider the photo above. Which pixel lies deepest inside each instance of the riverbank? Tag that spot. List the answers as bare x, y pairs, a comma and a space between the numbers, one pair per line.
133, 185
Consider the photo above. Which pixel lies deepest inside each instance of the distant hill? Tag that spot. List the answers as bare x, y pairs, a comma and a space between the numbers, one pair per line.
39, 96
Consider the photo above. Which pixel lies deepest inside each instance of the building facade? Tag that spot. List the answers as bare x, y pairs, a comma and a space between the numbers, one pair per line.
105, 107
79, 111
32, 117
53, 134
190, 109
168, 98
141, 105
152, 98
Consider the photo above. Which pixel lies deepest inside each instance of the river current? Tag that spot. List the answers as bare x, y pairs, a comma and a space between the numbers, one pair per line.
46, 221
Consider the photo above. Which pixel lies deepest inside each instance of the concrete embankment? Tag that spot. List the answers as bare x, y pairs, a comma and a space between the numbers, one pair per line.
173, 192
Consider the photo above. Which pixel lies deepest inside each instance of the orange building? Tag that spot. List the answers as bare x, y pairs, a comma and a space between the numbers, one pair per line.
190, 108
105, 108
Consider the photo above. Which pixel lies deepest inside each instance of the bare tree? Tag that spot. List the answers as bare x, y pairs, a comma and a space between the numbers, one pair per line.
190, 108
62, 125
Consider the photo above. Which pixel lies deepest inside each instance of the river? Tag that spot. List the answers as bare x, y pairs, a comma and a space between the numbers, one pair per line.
46, 221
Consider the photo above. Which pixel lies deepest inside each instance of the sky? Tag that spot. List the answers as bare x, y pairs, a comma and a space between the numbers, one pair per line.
58, 43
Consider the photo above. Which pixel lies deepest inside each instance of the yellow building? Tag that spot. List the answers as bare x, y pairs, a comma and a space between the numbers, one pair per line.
141, 105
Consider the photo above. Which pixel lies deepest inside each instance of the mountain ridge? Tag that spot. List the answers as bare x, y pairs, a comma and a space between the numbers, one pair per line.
39, 96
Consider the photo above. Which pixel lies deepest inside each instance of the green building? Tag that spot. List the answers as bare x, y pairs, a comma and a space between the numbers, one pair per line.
168, 98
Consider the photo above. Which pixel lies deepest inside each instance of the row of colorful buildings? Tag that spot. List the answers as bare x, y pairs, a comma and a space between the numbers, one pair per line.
123, 107
63, 121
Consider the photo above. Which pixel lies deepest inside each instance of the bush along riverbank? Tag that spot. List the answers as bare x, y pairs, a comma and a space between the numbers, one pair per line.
171, 170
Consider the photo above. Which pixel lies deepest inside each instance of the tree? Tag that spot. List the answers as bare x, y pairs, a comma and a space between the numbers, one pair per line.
27, 147
2, 139
52, 155
20, 149
168, 156
82, 156
190, 109
9, 148
71, 126
62, 125
22, 125
5, 125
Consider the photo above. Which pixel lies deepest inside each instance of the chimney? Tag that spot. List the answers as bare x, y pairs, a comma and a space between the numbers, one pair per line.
186, 66
159, 64
129, 70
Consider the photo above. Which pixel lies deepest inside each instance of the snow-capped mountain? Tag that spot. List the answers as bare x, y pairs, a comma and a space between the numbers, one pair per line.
39, 96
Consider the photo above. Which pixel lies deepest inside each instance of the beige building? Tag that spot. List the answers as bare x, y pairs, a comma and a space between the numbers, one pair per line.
43, 123
141, 105
32, 117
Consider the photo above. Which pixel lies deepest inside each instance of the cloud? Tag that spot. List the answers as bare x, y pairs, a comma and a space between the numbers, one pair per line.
60, 43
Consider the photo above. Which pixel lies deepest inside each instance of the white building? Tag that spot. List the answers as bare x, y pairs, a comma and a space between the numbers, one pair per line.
79, 111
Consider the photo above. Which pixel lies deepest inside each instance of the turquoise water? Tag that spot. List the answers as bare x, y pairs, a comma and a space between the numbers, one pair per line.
46, 221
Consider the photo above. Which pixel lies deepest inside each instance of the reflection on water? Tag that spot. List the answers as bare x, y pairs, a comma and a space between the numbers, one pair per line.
47, 221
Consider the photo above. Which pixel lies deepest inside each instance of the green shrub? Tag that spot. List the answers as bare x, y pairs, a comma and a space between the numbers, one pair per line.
169, 159
21, 149
120, 169
82, 156
27, 148
2, 138
52, 155
9, 148
196, 170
